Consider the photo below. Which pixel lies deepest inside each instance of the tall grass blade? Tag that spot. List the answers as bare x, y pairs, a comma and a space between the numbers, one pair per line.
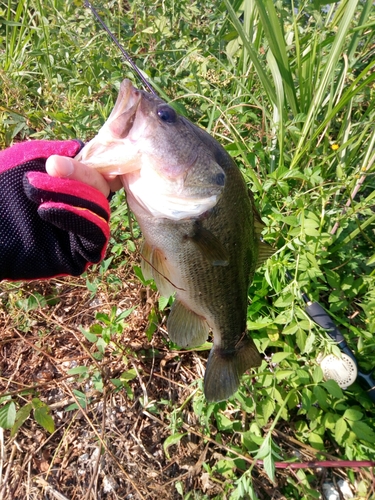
276, 40
327, 76
263, 76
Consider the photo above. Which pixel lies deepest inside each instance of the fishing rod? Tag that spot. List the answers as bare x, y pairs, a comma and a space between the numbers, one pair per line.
121, 48
345, 370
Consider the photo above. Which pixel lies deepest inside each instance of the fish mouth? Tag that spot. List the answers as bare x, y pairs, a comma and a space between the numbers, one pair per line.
107, 151
122, 117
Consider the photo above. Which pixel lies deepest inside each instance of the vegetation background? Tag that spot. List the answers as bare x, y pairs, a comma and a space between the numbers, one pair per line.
95, 400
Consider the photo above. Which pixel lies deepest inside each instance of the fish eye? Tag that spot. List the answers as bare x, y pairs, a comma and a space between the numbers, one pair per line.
166, 113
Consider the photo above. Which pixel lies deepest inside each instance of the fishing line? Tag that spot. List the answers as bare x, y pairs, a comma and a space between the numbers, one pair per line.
344, 370
121, 48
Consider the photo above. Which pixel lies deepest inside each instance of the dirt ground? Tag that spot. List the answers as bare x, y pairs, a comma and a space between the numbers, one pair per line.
111, 444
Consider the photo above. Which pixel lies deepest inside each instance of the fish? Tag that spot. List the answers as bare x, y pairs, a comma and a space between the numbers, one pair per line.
202, 232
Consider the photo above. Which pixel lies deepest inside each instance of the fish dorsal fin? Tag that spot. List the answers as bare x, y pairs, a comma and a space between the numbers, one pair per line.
257, 220
185, 327
258, 223
265, 251
154, 266
210, 246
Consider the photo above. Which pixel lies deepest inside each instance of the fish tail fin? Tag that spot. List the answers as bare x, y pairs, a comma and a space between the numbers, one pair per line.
225, 367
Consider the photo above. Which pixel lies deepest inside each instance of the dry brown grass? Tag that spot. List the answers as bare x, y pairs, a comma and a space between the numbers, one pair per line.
113, 448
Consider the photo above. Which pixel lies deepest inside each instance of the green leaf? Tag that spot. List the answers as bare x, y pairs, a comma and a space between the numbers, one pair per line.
163, 302
128, 375
21, 416
316, 441
351, 414
269, 466
171, 440
103, 317
138, 272
275, 37
268, 407
251, 441
90, 336
7, 415
280, 356
306, 399
252, 53
223, 422
125, 314
317, 374
326, 77
78, 370
284, 300
340, 429
44, 419
301, 339
283, 374
321, 396
334, 389
362, 431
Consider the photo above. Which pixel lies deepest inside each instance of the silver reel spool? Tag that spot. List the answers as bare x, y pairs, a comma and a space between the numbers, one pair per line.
343, 370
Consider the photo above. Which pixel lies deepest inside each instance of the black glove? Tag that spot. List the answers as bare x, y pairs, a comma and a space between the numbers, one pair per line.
49, 226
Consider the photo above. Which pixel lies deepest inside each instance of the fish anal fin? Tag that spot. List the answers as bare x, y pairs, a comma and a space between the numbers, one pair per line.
185, 327
265, 251
225, 367
210, 246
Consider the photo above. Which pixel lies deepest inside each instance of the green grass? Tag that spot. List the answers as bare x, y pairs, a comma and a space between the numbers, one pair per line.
289, 90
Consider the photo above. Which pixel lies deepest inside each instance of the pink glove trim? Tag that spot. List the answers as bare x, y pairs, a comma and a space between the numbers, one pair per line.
70, 187
26, 151
81, 212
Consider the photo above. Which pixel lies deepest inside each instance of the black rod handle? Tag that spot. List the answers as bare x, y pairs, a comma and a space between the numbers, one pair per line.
323, 319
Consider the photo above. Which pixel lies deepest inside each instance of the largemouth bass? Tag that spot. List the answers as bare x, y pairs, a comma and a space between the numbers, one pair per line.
201, 229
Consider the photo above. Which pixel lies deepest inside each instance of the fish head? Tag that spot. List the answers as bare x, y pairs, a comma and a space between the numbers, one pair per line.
163, 162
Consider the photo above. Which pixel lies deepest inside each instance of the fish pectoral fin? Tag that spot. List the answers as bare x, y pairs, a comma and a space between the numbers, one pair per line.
210, 246
154, 266
185, 327
225, 367
265, 252
146, 252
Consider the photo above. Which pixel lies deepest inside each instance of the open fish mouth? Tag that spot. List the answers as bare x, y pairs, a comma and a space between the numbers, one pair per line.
109, 151
164, 165
122, 117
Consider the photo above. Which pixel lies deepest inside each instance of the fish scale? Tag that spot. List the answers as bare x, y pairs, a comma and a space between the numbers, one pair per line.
201, 229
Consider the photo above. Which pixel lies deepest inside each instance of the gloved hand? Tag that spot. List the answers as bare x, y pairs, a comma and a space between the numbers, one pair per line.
49, 226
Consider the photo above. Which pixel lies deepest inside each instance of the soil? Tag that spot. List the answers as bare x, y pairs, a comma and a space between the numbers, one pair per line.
112, 419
